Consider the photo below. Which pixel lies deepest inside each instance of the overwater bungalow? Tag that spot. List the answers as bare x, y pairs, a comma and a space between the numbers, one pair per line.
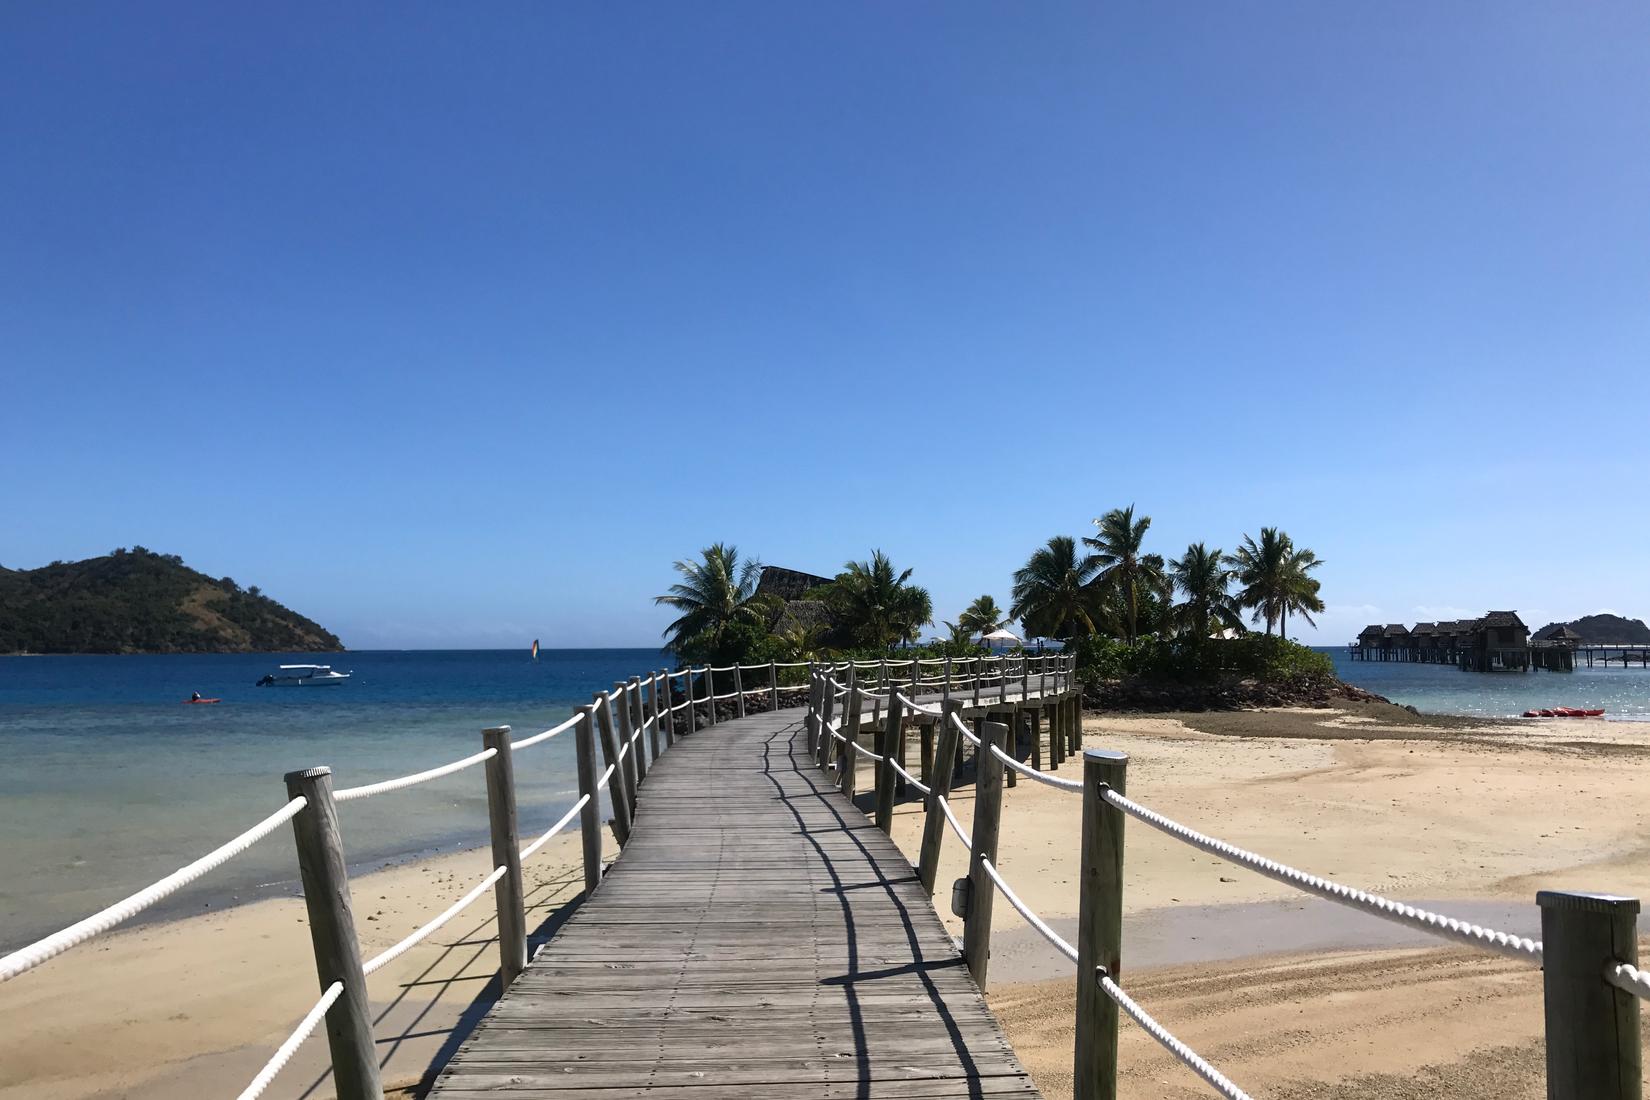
1497, 642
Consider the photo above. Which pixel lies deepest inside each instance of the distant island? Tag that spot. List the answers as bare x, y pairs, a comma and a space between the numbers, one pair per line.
138, 601
1601, 628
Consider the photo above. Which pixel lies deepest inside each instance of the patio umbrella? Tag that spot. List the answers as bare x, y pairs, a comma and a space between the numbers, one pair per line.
1002, 636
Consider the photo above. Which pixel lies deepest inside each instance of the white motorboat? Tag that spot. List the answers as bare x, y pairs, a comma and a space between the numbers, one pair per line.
303, 676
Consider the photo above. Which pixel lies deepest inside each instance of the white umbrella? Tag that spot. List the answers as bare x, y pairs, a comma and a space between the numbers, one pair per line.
1002, 634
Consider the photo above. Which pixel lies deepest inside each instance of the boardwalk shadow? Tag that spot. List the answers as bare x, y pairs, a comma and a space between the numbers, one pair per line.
850, 823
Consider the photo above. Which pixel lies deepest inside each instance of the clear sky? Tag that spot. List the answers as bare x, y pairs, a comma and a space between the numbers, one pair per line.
456, 324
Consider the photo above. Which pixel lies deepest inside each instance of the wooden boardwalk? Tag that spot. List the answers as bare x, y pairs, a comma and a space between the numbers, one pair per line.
758, 937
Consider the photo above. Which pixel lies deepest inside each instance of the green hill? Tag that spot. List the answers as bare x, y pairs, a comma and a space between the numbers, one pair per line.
1603, 628
137, 601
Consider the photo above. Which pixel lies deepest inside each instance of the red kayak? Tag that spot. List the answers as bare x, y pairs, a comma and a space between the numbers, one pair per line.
187, 702
1565, 712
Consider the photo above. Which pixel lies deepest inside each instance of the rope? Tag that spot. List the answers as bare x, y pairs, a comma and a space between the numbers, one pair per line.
956, 825
1516, 947
729, 668
1028, 913
1212, 1076
911, 779
863, 751
933, 712
1033, 773
27, 958
527, 743
1629, 979
283, 1053
964, 730
382, 960
349, 794
532, 849
607, 775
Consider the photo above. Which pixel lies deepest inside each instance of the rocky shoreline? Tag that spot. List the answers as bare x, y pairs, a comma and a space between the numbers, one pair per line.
1136, 696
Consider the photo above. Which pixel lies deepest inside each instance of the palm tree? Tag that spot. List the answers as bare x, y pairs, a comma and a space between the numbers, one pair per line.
715, 593
981, 617
1276, 578
960, 633
1053, 593
799, 643
1301, 591
876, 605
1202, 575
1124, 570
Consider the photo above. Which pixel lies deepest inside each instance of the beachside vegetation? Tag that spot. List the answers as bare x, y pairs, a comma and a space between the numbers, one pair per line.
721, 615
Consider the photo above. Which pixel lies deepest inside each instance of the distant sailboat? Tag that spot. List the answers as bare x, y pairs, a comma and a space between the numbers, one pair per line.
535, 649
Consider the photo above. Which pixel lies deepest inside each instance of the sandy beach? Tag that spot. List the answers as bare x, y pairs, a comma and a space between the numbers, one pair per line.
1468, 817
1465, 816
194, 1007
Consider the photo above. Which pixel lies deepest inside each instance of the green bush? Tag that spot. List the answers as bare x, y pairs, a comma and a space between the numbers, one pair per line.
1257, 656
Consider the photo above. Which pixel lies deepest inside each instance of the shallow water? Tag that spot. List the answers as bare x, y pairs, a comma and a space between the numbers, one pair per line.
111, 782
1445, 689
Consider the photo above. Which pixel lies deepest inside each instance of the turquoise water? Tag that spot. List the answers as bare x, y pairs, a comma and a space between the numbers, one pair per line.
1444, 689
110, 782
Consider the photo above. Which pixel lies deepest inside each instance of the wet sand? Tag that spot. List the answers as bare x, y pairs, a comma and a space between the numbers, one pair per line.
1291, 995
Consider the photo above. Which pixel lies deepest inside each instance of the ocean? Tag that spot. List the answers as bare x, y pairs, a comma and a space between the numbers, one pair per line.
110, 782
1444, 689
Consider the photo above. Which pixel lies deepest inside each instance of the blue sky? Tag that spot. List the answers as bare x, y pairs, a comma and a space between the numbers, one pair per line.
452, 325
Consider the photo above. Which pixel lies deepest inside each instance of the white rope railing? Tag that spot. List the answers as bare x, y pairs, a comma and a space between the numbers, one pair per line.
1629, 979
1517, 947
27, 958
911, 779
962, 728
1027, 912
933, 712
1033, 773
607, 776
1188, 1057
532, 849
283, 1054
529, 742
956, 826
384, 958
350, 794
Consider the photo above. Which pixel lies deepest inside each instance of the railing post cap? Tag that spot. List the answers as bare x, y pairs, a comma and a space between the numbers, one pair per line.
307, 773
1582, 902
496, 729
1106, 756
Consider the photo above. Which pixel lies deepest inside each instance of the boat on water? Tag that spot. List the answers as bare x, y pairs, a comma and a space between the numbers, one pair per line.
303, 676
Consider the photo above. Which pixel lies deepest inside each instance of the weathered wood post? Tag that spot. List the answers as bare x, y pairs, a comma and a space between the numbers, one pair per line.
710, 695
988, 816
1011, 778
1593, 1050
1099, 926
978, 664
687, 689
1002, 679
773, 685
508, 892
1077, 721
638, 722
655, 735
332, 934
739, 689
939, 785
628, 726
847, 765
891, 732
1025, 678
827, 712
620, 788
590, 816
662, 702
945, 693
812, 712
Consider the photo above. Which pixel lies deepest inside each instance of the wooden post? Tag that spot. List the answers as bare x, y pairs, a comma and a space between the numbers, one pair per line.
811, 712
1011, 778
638, 720
1077, 723
773, 685
627, 729
710, 693
656, 734
946, 692
939, 785
687, 689
988, 815
332, 934
979, 672
739, 688
893, 730
1593, 1050
826, 740
1025, 678
662, 703
1099, 926
926, 735
508, 892
590, 817
1036, 752
1002, 680
620, 789
847, 765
